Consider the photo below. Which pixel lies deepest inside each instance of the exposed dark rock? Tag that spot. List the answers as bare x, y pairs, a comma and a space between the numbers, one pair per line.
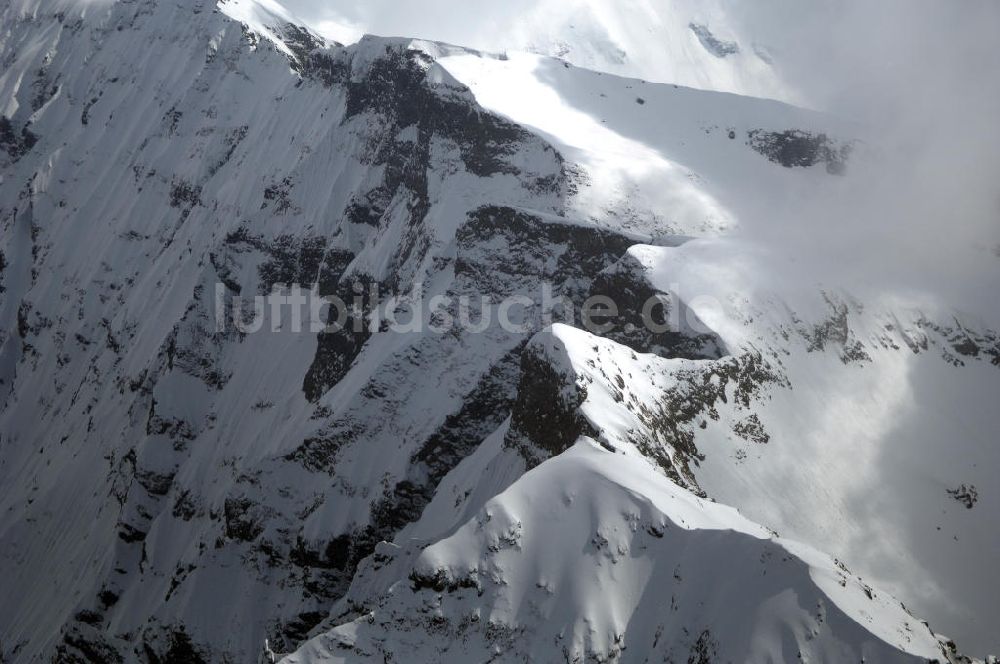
546, 414
244, 519
440, 582
966, 342
277, 197
965, 494
482, 412
89, 617
194, 344
157, 484
318, 453
296, 631
179, 649
85, 115
43, 89
331, 268
185, 506
225, 274
834, 331
750, 428
396, 86
293, 261
299, 41
705, 650
232, 140
658, 331
673, 420
796, 148
338, 348
108, 598
130, 534
335, 555
15, 142
330, 567
717, 47
499, 248
327, 68
84, 644
171, 119
184, 194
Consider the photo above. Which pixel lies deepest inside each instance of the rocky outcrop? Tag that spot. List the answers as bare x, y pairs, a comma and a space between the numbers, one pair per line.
720, 48
16, 142
796, 148
159, 459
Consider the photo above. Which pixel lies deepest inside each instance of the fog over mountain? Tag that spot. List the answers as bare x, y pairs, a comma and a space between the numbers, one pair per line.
555, 331
917, 76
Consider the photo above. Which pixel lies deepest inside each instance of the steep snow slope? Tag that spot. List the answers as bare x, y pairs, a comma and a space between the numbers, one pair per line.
168, 486
885, 422
679, 152
175, 491
881, 408
643, 408
592, 557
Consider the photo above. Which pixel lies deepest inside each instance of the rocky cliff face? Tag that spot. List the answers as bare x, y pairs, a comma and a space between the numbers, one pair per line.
179, 485
187, 153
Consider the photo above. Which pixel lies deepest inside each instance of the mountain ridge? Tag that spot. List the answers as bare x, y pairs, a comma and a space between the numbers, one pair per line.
198, 489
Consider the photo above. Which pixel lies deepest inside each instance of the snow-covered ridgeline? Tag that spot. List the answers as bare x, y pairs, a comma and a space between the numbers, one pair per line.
194, 491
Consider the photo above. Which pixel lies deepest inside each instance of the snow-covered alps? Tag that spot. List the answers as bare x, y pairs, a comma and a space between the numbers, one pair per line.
787, 466
688, 42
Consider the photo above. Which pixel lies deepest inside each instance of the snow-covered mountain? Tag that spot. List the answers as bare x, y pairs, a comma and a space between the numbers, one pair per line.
697, 43
591, 557
177, 487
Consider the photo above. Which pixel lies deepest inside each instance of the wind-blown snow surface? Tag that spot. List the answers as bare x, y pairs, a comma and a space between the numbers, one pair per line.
171, 491
688, 42
589, 556
871, 430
